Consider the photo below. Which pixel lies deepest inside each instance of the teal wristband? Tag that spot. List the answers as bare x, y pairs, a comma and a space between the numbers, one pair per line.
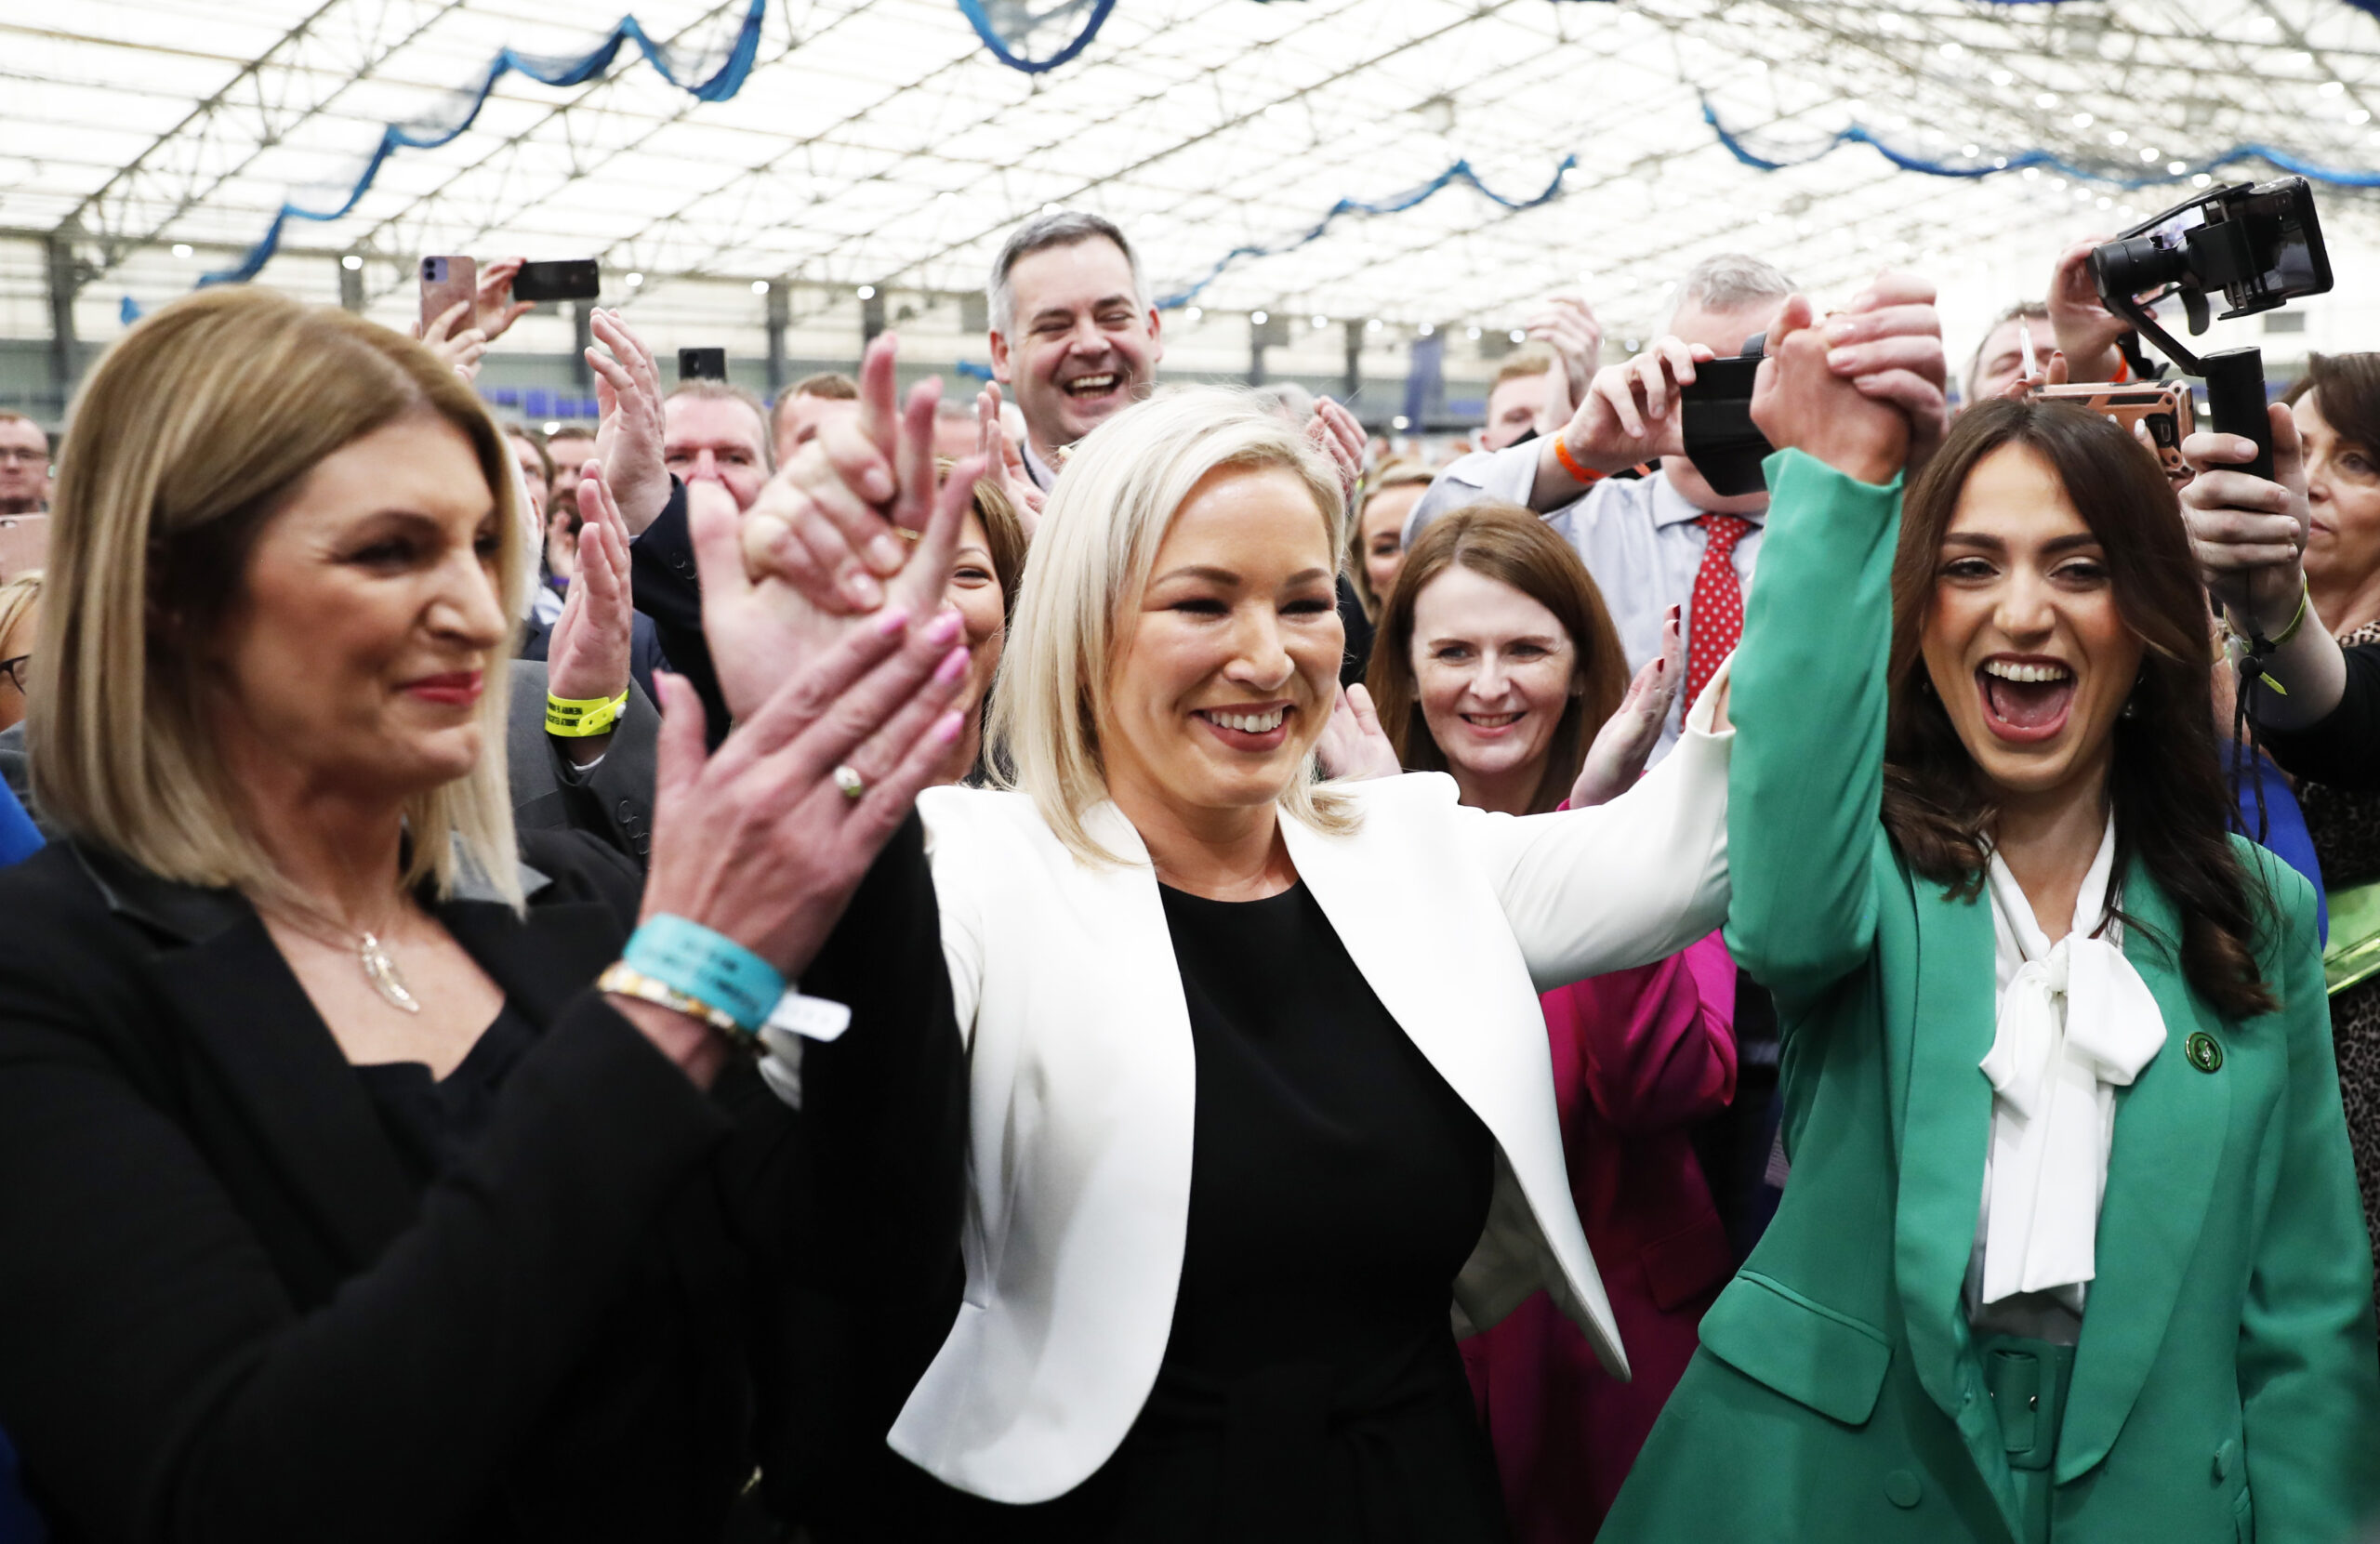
709, 967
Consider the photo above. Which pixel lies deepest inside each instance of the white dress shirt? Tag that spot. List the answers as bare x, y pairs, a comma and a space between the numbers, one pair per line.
1638, 535
2075, 1023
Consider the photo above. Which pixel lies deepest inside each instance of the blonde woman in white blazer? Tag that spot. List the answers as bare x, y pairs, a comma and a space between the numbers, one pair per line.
1263, 1114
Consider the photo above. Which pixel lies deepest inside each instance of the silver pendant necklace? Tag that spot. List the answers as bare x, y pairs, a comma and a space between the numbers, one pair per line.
382, 972
372, 956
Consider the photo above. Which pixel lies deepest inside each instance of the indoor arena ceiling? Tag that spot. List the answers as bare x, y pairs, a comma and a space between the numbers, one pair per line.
881, 143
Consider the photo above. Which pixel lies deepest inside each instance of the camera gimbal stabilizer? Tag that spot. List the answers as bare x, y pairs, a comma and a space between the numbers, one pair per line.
2261, 245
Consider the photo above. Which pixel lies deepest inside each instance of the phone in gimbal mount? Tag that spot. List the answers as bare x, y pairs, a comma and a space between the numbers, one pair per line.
2261, 244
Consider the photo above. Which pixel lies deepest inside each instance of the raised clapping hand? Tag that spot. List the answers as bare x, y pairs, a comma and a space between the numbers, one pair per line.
587, 656
1354, 747
1625, 743
1336, 433
1006, 460
498, 309
769, 596
1567, 325
759, 841
627, 436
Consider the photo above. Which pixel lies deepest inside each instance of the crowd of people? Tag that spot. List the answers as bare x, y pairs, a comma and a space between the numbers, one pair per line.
1105, 960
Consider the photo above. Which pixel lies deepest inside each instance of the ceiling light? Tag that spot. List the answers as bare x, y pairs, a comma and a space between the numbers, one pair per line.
553, 426
2201, 181
2003, 77
2107, 204
1951, 51
867, 292
2126, 210
1194, 312
1052, 208
2047, 98
1260, 318
1426, 329
2117, 137
759, 286
1373, 325
2358, 115
1629, 345
1400, 422
1517, 336
2033, 174
635, 280
1472, 332
2334, 88
1971, 151
2148, 152
2176, 168
2082, 120
350, 262
182, 249
1321, 323
1999, 162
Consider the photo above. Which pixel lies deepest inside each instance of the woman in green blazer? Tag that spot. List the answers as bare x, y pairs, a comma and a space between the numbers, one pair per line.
1939, 762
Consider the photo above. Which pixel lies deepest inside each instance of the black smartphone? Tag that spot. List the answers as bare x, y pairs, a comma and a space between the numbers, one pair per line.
1714, 419
562, 279
702, 364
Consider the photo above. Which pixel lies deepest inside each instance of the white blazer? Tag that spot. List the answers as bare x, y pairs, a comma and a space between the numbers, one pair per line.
1084, 1081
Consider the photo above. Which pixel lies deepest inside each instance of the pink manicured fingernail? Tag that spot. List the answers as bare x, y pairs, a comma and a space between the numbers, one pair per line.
884, 555
1839, 359
895, 621
946, 628
948, 726
954, 664
866, 593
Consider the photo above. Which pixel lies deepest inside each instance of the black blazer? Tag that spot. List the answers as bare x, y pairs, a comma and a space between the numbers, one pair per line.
226, 1313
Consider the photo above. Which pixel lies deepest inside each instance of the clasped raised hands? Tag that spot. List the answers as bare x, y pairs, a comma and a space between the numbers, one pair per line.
1862, 391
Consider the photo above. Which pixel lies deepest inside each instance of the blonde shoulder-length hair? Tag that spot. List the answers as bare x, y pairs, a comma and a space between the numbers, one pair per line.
187, 439
1083, 577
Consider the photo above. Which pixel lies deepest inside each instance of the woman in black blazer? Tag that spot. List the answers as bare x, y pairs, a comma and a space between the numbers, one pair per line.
335, 1202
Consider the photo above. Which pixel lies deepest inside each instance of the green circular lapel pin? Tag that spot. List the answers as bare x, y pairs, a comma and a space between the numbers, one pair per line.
2203, 1053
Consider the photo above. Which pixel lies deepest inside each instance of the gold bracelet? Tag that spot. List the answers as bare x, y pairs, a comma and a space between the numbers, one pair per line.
577, 717
622, 979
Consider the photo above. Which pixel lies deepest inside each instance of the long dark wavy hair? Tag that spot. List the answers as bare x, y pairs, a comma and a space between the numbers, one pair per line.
2172, 804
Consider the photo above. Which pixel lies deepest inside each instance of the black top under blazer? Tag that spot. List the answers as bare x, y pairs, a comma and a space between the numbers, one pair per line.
227, 1314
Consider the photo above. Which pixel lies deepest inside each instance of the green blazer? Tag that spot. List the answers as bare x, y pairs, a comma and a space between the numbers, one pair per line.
2226, 1383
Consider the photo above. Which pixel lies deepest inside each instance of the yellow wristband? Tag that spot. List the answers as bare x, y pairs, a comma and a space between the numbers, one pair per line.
575, 718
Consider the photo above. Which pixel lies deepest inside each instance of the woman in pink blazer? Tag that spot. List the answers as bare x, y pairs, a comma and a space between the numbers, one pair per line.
1496, 662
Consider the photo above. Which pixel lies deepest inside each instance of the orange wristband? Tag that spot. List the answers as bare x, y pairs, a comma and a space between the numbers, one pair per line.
1562, 453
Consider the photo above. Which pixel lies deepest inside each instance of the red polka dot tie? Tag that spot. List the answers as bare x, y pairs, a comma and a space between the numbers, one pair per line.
1718, 610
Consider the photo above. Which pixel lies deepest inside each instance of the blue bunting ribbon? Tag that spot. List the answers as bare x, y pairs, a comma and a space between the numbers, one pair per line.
1859, 135
980, 20
1459, 172
718, 86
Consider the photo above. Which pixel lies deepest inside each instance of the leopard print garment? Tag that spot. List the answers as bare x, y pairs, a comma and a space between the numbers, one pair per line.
2346, 828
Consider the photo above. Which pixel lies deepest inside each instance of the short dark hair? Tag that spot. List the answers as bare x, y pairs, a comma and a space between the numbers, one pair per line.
2166, 783
719, 391
1060, 228
536, 442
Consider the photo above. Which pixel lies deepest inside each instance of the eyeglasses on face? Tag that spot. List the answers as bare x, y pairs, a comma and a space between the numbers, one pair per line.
18, 669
